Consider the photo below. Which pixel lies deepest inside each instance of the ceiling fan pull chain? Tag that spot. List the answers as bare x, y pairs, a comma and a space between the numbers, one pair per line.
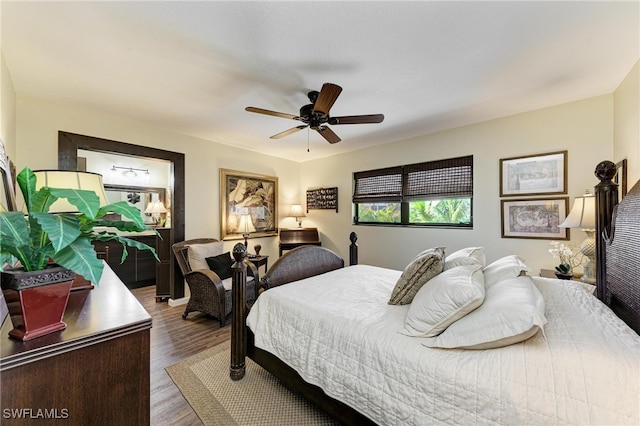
308, 139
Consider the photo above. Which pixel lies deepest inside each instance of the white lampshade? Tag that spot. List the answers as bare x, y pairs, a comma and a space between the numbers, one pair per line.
583, 213
155, 207
246, 225
296, 211
70, 179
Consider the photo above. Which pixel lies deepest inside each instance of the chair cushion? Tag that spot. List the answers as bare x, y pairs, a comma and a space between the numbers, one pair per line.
221, 264
227, 284
198, 253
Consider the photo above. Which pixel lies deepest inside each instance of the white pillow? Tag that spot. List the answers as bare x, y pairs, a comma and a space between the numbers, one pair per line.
512, 311
504, 268
466, 256
443, 300
198, 253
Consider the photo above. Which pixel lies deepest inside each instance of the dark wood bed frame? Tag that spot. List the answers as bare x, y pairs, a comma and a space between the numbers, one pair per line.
617, 270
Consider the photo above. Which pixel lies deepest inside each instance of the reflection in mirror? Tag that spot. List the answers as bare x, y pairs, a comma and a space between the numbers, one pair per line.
137, 196
7, 198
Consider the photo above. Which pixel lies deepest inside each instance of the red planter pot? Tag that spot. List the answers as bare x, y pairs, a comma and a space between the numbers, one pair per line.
36, 300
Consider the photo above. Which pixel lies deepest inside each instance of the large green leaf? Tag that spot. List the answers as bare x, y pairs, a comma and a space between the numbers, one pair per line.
123, 225
27, 182
137, 244
62, 229
87, 202
81, 258
125, 209
14, 225
14, 237
42, 200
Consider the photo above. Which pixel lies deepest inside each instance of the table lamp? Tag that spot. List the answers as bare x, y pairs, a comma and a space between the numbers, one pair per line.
70, 179
155, 208
246, 227
583, 216
298, 213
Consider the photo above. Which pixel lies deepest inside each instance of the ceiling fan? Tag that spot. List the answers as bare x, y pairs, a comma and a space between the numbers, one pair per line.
316, 114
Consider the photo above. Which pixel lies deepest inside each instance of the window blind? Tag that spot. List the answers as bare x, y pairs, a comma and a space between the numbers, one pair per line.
382, 185
450, 178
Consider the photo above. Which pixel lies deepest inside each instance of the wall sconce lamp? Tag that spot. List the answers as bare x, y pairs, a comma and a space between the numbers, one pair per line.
583, 216
246, 227
298, 213
129, 172
155, 208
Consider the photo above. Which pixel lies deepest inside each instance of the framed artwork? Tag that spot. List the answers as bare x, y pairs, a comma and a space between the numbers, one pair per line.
542, 174
528, 218
243, 193
322, 198
621, 178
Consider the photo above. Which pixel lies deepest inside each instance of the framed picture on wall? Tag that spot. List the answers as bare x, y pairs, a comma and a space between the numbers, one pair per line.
251, 194
542, 174
529, 218
621, 178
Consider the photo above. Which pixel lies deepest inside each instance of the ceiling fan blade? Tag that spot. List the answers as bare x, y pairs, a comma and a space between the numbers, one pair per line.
328, 95
357, 119
274, 113
288, 132
327, 133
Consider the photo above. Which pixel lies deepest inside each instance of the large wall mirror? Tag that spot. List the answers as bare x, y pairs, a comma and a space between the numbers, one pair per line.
138, 196
68, 159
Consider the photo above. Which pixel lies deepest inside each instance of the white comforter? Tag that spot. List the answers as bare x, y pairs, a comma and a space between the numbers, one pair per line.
338, 332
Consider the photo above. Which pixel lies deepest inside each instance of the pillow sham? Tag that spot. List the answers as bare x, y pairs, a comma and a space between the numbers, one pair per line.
512, 312
421, 269
503, 269
466, 256
197, 254
446, 298
221, 265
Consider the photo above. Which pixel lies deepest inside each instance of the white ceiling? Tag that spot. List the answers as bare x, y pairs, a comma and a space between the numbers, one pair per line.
193, 67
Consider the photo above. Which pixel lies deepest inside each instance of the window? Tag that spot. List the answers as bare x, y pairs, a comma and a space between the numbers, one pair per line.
436, 193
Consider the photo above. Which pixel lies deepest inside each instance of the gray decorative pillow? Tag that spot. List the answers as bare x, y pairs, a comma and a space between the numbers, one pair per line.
422, 268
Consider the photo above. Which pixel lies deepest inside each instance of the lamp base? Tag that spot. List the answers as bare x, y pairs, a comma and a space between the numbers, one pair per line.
588, 249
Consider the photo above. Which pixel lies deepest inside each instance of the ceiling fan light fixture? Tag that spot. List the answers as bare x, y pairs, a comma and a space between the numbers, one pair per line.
316, 114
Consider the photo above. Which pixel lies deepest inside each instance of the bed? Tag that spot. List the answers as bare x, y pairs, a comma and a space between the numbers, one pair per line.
327, 331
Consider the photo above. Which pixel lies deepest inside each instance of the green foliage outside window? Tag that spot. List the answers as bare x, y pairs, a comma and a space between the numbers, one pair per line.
379, 212
449, 211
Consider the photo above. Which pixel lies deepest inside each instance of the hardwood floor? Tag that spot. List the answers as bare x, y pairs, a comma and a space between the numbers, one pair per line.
172, 340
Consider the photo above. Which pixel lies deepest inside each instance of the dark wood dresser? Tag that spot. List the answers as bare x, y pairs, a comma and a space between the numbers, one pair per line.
296, 237
95, 372
140, 267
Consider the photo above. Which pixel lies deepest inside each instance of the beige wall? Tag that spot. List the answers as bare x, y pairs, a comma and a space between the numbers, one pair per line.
626, 129
583, 128
7, 110
37, 146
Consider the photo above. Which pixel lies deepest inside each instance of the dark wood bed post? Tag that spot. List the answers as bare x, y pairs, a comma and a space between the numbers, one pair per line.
239, 313
353, 249
606, 199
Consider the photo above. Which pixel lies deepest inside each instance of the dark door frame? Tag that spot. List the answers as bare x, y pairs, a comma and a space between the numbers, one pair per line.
68, 145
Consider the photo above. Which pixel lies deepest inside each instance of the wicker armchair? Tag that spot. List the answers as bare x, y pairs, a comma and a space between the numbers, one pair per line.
208, 294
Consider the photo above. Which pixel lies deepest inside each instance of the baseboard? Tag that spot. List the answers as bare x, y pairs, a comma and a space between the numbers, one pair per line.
178, 302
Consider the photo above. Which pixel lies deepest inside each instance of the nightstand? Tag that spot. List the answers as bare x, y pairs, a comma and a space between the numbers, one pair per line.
259, 261
549, 273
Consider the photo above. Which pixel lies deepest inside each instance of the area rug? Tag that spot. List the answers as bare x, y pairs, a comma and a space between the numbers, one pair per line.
257, 399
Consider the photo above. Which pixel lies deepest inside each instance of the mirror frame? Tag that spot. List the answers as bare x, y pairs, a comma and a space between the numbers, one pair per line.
6, 180
68, 145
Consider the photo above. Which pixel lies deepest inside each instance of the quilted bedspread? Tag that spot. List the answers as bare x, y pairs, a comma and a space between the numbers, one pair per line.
339, 333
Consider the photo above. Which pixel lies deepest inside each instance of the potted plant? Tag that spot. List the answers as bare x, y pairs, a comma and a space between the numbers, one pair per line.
52, 248
570, 257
